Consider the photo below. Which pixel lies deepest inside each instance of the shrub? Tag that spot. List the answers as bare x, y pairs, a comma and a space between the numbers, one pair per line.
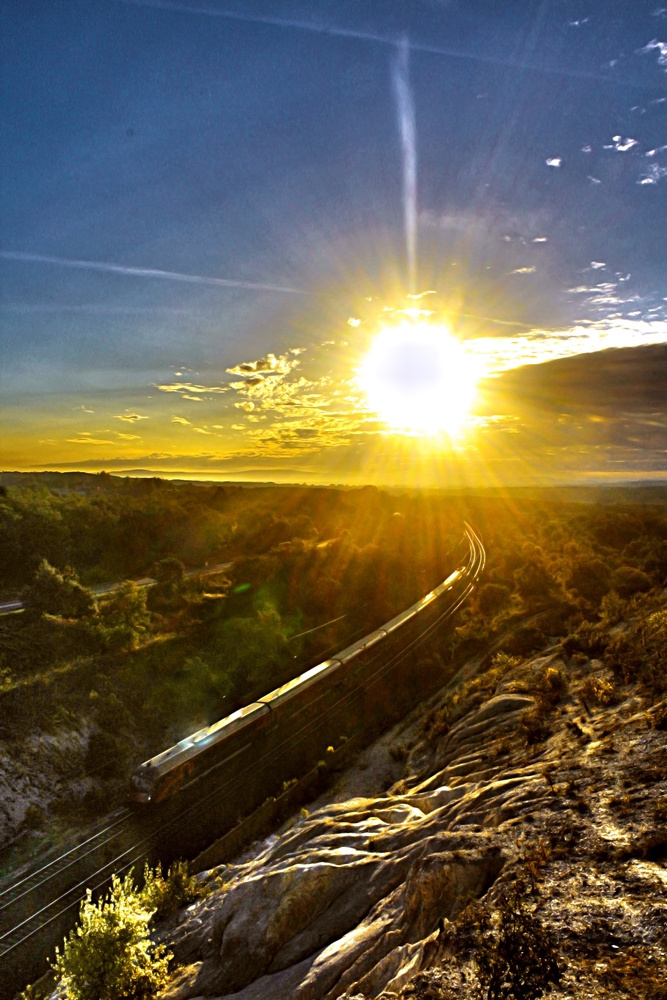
550, 686
165, 895
516, 956
524, 640
491, 597
627, 581
598, 691
590, 578
109, 953
35, 817
535, 726
639, 655
586, 639
107, 755
504, 662
612, 608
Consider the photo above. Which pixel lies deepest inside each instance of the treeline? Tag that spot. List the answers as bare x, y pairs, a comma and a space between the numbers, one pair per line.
118, 531
309, 570
561, 563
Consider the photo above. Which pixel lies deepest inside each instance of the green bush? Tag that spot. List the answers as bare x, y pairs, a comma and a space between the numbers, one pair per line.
109, 954
58, 593
166, 894
612, 608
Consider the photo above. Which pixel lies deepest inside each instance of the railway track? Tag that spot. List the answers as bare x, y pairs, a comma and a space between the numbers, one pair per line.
38, 908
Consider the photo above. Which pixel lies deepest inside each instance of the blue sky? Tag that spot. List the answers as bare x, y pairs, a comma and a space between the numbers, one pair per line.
156, 153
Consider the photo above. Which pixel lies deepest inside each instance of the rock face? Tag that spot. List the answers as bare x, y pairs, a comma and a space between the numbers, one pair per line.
45, 770
359, 898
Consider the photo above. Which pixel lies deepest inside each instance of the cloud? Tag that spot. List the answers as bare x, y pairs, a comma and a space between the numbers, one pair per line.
554, 161
248, 405
131, 418
269, 365
656, 46
499, 354
127, 437
190, 388
145, 272
620, 144
86, 438
84, 408
180, 420
524, 270
653, 175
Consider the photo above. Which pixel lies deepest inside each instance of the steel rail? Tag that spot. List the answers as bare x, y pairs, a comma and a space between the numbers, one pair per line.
477, 558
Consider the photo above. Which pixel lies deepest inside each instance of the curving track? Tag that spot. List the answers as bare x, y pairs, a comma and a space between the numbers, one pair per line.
362, 687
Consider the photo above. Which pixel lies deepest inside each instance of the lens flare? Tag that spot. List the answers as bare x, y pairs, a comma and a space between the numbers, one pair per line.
418, 377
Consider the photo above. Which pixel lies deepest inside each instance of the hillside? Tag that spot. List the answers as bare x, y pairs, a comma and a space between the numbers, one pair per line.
530, 794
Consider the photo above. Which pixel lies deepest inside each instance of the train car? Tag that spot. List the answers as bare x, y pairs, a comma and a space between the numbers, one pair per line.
178, 767
195, 757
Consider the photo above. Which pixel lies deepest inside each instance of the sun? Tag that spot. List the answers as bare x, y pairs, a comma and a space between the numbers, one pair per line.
419, 378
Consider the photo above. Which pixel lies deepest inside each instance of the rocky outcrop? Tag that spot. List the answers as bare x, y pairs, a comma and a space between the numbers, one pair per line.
359, 898
36, 776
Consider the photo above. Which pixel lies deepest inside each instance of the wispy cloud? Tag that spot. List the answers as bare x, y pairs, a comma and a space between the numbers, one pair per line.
321, 27
180, 420
85, 438
130, 418
145, 272
188, 389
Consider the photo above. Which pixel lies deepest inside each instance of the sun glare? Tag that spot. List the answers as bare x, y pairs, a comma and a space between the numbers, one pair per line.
418, 377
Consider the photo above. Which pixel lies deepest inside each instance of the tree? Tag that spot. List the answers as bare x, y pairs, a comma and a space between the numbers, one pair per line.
124, 618
628, 581
252, 652
58, 593
169, 572
590, 578
109, 954
491, 597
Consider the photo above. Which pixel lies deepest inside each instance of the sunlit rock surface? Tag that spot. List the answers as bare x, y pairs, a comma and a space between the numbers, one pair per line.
359, 898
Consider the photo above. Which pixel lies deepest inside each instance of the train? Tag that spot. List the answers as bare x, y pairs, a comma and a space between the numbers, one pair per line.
229, 743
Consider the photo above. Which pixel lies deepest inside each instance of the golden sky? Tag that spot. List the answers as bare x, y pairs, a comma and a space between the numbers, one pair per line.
302, 413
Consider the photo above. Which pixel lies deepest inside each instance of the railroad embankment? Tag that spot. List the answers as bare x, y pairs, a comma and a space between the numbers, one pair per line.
521, 817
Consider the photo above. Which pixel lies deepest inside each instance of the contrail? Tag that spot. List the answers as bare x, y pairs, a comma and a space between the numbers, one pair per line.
407, 128
366, 36
146, 272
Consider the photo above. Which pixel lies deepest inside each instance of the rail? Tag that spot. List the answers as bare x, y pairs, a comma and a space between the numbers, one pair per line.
305, 715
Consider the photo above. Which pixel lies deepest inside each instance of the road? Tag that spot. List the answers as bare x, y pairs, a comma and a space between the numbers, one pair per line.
101, 589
